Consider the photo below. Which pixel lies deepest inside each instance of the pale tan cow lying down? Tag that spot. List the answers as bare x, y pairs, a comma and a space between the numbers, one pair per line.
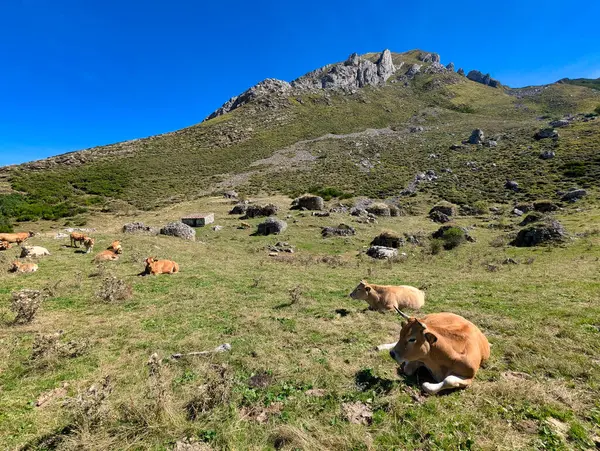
388, 297
105, 256
33, 251
450, 347
154, 266
116, 247
15, 237
17, 266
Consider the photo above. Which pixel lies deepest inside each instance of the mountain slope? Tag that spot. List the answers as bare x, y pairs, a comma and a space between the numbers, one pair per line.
345, 126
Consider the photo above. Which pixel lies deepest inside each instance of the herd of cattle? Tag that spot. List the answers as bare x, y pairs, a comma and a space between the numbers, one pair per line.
450, 347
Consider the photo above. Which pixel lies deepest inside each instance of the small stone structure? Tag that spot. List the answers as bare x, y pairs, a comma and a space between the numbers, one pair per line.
198, 219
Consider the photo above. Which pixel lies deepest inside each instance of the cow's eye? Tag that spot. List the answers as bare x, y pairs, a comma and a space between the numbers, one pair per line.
412, 340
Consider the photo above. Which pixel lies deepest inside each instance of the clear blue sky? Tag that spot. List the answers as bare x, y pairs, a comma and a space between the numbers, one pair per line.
76, 74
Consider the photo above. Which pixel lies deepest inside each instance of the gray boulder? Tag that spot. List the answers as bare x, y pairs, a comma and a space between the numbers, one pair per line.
540, 233
358, 211
340, 230
308, 202
230, 194
439, 217
476, 137
256, 211
491, 143
180, 230
239, 209
382, 253
511, 185
450, 66
559, 123
413, 70
385, 66
547, 154
446, 208
271, 226
574, 195
546, 133
388, 239
416, 129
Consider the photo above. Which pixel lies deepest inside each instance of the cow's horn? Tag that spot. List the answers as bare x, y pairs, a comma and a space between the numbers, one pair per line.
403, 315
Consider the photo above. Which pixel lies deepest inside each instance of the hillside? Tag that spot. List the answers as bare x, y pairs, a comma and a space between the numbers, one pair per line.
593, 83
366, 126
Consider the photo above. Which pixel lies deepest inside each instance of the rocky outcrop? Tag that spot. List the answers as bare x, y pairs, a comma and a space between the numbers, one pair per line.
255, 211
547, 154
271, 226
546, 133
476, 137
574, 195
450, 67
429, 57
511, 185
139, 227
461, 71
382, 252
540, 233
265, 87
413, 70
559, 123
355, 72
340, 230
478, 77
388, 239
308, 202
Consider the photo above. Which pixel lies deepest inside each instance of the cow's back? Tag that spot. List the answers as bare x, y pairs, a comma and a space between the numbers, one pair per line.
462, 334
402, 296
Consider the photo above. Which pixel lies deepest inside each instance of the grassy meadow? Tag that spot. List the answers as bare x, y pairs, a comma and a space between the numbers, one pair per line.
301, 349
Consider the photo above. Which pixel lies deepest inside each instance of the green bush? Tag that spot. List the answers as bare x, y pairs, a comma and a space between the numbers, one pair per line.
435, 246
481, 207
453, 237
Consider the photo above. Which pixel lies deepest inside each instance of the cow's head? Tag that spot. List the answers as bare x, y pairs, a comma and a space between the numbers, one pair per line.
15, 265
415, 341
115, 246
361, 292
31, 234
150, 260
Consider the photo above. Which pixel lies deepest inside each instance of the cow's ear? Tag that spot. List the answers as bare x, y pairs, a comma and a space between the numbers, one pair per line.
431, 338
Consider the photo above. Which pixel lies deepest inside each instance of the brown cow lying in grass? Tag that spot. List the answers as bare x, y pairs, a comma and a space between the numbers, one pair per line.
388, 297
116, 247
105, 256
17, 266
154, 266
5, 245
451, 348
18, 238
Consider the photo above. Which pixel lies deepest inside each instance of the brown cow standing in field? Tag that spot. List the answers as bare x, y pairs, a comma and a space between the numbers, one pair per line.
387, 297
105, 256
18, 238
154, 266
449, 346
17, 266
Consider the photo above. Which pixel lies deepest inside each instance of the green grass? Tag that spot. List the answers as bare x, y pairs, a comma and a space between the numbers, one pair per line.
541, 318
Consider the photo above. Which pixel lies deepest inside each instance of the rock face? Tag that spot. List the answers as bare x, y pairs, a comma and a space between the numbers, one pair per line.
340, 230
429, 57
268, 86
450, 67
308, 202
574, 195
139, 227
379, 209
382, 252
239, 209
271, 226
180, 230
548, 232
476, 137
445, 208
353, 73
461, 71
546, 133
439, 217
413, 70
478, 77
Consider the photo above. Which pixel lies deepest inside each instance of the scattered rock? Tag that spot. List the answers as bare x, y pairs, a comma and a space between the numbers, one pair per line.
357, 413
358, 211
140, 227
382, 252
281, 246
439, 217
450, 66
379, 209
444, 207
239, 209
491, 143
476, 137
546, 133
417, 129
271, 226
388, 239
559, 123
551, 231
180, 230
217, 228
510, 261
230, 195
547, 154
340, 230
518, 212
413, 70
308, 202
544, 206
256, 211
532, 217
574, 195
321, 214
456, 147
511, 185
